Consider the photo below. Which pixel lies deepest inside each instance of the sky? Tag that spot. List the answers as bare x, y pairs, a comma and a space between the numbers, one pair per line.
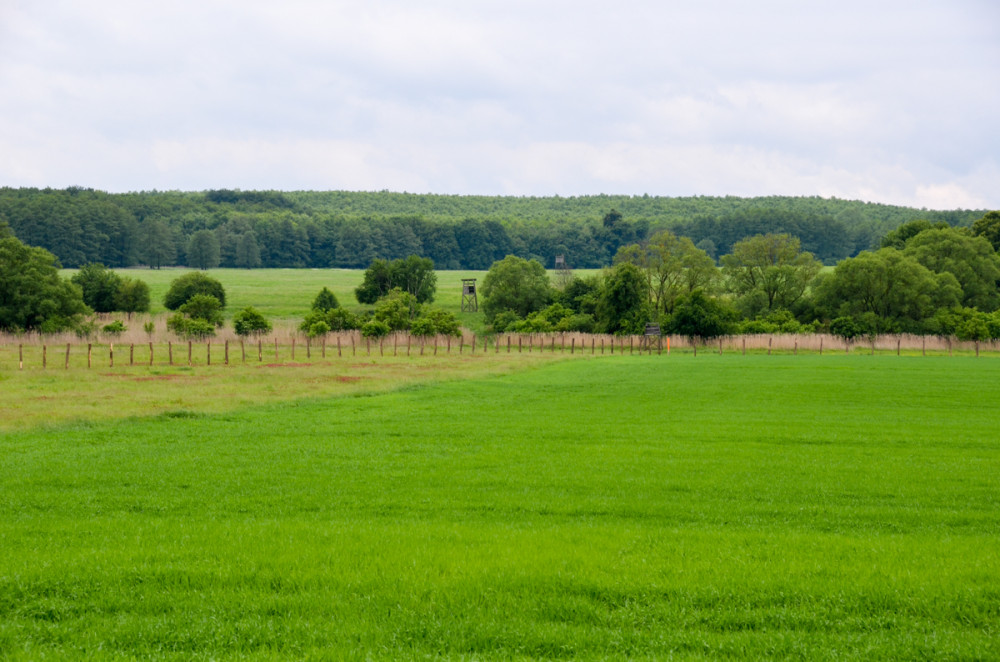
893, 101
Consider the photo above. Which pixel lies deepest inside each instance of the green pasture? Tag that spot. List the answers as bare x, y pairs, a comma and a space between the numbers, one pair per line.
627, 507
288, 293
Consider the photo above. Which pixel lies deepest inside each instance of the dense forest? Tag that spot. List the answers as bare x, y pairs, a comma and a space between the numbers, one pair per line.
248, 229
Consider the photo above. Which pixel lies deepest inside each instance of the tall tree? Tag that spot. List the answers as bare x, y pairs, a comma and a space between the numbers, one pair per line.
203, 250
515, 284
33, 297
892, 286
622, 306
988, 227
970, 259
159, 247
99, 286
673, 266
768, 272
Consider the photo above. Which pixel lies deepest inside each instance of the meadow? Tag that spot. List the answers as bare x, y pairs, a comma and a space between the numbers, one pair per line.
512, 507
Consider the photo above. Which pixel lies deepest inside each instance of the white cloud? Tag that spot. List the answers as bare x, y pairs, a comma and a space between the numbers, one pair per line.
888, 101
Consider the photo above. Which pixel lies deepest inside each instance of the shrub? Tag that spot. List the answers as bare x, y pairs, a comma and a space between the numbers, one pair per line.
183, 288
203, 307
375, 329
250, 321
115, 328
188, 327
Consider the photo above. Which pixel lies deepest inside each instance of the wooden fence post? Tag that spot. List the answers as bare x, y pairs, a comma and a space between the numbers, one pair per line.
572, 347
308, 347
67, 357
111, 354
131, 353
322, 350
293, 348
190, 346
20, 357
89, 351
150, 353
170, 352
276, 349
821, 345
225, 358
243, 351
260, 350
338, 346
744, 345
770, 339
44, 357
208, 352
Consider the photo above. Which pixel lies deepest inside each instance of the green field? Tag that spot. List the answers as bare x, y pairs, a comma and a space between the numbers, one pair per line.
834, 507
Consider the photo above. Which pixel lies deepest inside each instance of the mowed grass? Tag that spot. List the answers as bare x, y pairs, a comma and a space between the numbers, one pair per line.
626, 508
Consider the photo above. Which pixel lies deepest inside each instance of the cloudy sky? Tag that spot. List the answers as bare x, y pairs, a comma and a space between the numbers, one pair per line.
893, 101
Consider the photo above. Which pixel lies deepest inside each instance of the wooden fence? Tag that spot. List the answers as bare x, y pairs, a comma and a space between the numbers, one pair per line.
274, 350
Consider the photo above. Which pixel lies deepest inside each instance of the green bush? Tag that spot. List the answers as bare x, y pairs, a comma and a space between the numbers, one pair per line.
187, 286
375, 329
115, 328
191, 328
203, 307
250, 321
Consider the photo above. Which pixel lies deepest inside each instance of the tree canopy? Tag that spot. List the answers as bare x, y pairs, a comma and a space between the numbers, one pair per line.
515, 284
33, 297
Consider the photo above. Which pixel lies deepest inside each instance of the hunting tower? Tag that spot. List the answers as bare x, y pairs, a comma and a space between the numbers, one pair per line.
470, 302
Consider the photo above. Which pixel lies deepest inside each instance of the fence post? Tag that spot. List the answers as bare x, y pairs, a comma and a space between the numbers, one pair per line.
720, 346
170, 352
208, 352
276, 349
89, 350
225, 358
308, 347
473, 343
572, 346
243, 351
260, 350
553, 344
322, 350
293, 348
770, 339
67, 356
150, 353
338, 346
20, 357
111, 354
821, 345
190, 345
44, 357
508, 343
591, 345
744, 345
131, 353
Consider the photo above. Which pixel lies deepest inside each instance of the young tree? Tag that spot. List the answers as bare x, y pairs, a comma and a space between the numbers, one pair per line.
188, 285
325, 300
515, 284
33, 297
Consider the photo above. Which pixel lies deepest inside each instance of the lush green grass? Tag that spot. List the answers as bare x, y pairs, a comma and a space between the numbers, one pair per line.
627, 507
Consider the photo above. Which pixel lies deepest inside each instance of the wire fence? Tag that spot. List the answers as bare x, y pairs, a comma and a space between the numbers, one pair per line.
287, 345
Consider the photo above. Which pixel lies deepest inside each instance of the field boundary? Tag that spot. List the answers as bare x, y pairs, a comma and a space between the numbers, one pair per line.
44, 352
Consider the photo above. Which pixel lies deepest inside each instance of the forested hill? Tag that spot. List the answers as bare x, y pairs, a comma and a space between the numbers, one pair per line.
232, 228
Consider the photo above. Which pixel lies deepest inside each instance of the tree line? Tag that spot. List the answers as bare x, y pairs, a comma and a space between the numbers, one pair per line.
924, 278
270, 229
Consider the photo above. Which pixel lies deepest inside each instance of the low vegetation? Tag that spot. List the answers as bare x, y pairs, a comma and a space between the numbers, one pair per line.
710, 507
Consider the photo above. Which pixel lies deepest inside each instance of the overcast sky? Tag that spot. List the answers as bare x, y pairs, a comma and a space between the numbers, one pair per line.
892, 101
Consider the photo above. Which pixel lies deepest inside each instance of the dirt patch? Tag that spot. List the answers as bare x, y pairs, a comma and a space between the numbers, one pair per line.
347, 379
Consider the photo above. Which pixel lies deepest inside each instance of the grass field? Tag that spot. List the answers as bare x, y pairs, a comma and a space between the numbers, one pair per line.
288, 293
835, 507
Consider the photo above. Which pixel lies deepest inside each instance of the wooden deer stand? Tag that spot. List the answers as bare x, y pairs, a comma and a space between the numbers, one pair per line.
470, 301
650, 337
